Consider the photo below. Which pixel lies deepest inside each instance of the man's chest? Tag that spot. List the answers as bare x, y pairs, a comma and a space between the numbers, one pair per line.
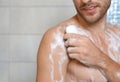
109, 43
78, 72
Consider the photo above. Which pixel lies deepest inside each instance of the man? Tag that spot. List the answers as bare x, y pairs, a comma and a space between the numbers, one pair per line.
92, 55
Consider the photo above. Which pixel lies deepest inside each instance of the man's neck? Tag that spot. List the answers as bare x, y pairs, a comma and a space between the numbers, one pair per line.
97, 27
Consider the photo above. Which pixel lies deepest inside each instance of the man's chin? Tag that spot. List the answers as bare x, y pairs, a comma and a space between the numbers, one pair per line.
90, 21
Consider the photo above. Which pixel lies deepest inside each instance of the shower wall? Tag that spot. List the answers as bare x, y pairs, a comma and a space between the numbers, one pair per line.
114, 12
22, 24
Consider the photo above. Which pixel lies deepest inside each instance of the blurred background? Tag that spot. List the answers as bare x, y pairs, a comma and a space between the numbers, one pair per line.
22, 25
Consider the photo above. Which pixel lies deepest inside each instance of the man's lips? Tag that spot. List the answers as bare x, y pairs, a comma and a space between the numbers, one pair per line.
89, 8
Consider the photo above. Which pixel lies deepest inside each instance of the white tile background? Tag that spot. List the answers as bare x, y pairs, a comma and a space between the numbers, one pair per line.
22, 24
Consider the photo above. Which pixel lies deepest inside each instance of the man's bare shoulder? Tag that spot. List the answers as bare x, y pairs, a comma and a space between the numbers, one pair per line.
52, 40
53, 33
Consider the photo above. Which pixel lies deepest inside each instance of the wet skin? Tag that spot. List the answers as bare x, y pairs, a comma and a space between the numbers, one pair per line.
93, 69
86, 60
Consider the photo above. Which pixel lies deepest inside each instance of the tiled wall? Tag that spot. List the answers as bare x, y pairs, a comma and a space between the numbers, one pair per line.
22, 24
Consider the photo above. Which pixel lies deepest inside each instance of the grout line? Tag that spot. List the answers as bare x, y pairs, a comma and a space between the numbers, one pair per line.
17, 62
36, 6
9, 77
22, 61
38, 34
4, 61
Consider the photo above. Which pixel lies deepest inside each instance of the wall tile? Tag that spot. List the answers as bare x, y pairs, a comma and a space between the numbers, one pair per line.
22, 72
4, 48
4, 72
24, 47
4, 22
4, 2
38, 20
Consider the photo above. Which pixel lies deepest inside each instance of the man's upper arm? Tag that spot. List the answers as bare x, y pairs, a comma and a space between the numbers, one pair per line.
48, 60
42, 59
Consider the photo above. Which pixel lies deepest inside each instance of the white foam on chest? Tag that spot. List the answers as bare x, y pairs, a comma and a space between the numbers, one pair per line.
81, 31
114, 45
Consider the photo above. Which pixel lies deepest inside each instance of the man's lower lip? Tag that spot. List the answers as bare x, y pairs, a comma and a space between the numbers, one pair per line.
91, 10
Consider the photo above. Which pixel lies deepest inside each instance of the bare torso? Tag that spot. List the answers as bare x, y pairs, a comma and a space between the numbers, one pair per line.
108, 42
63, 69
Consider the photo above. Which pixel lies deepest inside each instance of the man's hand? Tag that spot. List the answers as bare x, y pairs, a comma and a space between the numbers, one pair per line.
82, 49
